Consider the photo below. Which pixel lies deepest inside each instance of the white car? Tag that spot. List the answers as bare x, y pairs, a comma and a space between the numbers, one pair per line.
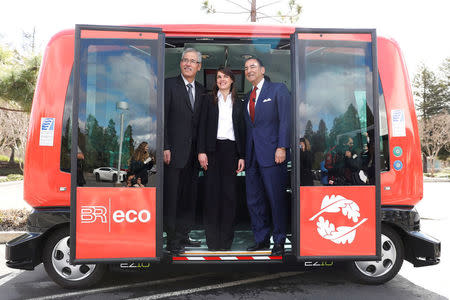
109, 174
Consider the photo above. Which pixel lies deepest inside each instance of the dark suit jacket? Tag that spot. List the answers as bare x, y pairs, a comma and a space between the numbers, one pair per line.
181, 122
271, 129
209, 124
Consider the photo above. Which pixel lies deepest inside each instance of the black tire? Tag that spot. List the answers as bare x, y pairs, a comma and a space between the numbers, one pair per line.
114, 179
97, 177
379, 272
57, 267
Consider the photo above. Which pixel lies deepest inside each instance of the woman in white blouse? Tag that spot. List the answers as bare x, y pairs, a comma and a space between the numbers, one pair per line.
221, 148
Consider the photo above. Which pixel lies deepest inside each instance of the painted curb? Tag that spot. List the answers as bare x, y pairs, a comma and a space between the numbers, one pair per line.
435, 179
6, 236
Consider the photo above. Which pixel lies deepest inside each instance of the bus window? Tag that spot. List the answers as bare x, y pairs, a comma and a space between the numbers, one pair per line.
384, 136
336, 126
66, 136
118, 99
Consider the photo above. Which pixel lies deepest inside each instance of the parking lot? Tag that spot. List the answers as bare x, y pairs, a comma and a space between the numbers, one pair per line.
241, 282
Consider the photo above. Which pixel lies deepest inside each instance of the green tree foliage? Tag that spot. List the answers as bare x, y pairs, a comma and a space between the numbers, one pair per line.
127, 146
261, 12
345, 124
432, 95
102, 144
19, 71
309, 130
319, 138
18, 74
111, 143
18, 80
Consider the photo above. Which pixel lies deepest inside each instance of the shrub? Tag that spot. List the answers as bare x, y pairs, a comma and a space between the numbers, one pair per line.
13, 219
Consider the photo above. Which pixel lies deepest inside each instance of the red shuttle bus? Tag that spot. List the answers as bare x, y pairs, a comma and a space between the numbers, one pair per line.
100, 94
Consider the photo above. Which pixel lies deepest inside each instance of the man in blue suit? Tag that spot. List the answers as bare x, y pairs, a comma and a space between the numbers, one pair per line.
267, 118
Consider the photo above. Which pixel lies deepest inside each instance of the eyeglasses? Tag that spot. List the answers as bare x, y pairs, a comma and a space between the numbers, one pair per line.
192, 61
253, 67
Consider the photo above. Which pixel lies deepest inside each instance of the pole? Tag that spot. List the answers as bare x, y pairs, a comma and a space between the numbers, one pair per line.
120, 147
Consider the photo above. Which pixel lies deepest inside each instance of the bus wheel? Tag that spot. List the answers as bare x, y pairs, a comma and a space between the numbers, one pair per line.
379, 272
56, 262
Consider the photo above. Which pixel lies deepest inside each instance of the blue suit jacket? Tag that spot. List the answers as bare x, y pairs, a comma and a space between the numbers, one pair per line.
271, 128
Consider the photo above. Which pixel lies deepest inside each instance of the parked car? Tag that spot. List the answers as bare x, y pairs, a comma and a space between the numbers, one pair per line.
109, 174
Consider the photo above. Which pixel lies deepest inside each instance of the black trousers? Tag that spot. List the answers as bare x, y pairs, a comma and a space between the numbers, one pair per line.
221, 197
180, 197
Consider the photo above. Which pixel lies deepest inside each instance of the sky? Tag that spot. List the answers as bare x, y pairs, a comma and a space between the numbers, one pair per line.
420, 27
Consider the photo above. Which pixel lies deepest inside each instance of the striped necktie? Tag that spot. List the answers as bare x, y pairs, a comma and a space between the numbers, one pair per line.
191, 96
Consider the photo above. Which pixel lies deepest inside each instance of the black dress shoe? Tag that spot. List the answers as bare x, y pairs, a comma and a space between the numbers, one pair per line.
213, 249
259, 246
278, 250
191, 243
177, 250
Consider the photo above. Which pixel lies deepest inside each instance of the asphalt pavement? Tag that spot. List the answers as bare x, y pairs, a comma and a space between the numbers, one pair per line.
427, 282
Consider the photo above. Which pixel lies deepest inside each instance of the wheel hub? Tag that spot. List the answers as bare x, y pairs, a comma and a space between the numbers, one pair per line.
62, 266
383, 266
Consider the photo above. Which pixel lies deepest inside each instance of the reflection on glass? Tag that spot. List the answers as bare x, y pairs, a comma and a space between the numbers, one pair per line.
117, 109
140, 164
336, 116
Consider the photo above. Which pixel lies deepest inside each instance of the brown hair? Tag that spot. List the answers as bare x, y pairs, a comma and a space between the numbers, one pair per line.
215, 90
307, 144
140, 154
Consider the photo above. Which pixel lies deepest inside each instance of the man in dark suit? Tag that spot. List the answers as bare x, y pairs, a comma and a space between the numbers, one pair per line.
267, 120
183, 98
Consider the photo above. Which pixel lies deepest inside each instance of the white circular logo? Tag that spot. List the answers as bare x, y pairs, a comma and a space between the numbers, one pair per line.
336, 204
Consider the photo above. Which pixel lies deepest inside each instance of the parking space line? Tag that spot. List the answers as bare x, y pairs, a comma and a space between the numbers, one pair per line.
9, 277
114, 288
218, 286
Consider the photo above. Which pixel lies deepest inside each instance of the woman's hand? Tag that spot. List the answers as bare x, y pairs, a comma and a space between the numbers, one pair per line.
241, 166
203, 160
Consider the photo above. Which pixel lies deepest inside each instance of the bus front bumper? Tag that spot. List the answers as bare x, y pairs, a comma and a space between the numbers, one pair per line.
24, 252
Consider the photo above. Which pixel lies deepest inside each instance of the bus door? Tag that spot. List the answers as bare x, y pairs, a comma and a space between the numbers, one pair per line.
336, 182
118, 115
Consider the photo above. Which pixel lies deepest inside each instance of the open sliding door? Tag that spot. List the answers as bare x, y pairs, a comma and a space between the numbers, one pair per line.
118, 105
336, 192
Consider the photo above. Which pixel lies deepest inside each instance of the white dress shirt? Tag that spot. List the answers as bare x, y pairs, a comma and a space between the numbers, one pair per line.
258, 91
225, 130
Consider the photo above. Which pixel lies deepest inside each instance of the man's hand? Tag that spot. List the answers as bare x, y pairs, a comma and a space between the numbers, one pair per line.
241, 166
348, 154
203, 160
167, 157
280, 155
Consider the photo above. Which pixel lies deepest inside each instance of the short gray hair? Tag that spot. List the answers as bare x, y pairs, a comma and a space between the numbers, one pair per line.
199, 54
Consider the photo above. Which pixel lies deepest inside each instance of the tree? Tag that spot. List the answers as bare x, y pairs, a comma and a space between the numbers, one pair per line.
444, 77
17, 83
345, 124
308, 130
13, 134
18, 75
434, 136
256, 13
431, 93
30, 42
19, 71
128, 145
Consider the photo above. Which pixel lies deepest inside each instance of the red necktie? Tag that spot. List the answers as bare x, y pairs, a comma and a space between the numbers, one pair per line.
251, 107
